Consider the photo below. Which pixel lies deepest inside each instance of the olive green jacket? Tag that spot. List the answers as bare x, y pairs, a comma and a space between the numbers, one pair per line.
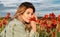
15, 28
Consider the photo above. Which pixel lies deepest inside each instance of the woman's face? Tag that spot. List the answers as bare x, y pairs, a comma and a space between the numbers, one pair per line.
27, 15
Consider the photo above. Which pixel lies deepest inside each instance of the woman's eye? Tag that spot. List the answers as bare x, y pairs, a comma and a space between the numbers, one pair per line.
28, 13
31, 13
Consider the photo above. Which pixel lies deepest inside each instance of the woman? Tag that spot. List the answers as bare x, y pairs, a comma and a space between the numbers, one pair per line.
19, 26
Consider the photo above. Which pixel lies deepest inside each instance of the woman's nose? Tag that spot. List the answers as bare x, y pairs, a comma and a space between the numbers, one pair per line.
30, 16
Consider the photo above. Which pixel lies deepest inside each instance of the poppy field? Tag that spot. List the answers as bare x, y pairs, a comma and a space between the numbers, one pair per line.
47, 26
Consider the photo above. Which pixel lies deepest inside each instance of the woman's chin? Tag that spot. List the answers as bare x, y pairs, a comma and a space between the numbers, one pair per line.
27, 21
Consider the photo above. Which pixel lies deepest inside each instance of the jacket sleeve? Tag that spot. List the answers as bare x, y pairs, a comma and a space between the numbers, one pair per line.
7, 32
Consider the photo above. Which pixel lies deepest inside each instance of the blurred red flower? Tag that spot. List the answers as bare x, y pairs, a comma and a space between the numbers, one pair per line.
33, 19
4, 22
48, 30
7, 16
52, 16
0, 25
46, 16
49, 26
44, 23
38, 20
54, 21
8, 13
59, 18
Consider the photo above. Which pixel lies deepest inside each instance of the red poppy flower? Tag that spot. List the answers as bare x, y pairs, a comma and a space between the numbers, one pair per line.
0, 25
59, 18
38, 20
8, 13
54, 22
46, 16
44, 24
52, 16
48, 30
49, 26
33, 19
7, 16
41, 21
4, 22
